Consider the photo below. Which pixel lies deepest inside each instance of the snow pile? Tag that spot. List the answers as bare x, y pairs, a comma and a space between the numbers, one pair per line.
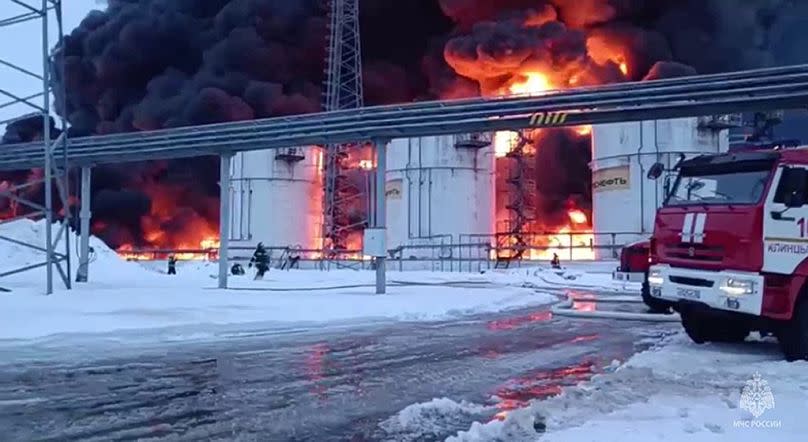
15, 255
428, 420
679, 391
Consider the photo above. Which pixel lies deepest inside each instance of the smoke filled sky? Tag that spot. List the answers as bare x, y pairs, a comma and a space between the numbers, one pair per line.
711, 35
150, 64
22, 45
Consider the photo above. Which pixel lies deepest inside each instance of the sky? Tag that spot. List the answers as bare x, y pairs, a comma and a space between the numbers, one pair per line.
22, 46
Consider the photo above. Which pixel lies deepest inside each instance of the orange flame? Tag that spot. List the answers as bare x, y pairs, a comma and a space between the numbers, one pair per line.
603, 50
574, 240
577, 217
208, 249
532, 84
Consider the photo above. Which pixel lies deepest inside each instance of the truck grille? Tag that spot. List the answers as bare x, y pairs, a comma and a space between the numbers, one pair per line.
695, 282
699, 252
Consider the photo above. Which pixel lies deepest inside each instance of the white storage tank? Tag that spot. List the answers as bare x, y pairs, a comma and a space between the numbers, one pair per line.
439, 188
276, 198
624, 200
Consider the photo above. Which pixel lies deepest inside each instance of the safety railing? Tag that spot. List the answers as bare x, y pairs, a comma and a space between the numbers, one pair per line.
444, 253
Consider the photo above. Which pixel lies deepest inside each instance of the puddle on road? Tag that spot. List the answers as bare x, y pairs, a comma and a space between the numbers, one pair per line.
540, 384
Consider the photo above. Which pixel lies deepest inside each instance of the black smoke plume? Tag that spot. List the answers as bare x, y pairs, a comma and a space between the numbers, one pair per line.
151, 64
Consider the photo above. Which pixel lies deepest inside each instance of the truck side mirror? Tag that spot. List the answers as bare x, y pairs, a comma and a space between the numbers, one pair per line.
655, 171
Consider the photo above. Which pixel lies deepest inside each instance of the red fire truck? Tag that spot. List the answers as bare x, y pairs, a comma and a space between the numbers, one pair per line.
635, 260
730, 247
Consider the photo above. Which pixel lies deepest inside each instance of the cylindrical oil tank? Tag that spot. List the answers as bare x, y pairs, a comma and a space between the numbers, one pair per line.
624, 199
439, 189
276, 198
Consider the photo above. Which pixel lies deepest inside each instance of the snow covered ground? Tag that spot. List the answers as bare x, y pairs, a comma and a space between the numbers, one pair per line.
125, 295
676, 391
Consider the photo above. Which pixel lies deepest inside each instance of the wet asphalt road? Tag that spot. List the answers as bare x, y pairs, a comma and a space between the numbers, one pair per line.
338, 383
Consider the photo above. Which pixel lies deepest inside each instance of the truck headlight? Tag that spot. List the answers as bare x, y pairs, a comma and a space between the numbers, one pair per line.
738, 287
655, 277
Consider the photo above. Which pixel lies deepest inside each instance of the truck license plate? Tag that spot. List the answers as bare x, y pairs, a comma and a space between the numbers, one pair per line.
688, 293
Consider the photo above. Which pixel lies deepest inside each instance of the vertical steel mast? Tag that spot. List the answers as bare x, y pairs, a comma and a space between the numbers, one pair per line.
343, 90
55, 148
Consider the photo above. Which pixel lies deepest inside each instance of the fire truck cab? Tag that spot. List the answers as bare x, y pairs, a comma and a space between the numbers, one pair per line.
634, 264
730, 247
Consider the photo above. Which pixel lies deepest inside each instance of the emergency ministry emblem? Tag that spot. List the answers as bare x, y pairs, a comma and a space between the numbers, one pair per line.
756, 396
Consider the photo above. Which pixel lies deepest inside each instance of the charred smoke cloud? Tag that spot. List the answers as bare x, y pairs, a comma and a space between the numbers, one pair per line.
151, 64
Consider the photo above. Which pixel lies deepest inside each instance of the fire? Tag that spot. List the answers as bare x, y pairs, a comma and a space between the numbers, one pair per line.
209, 243
567, 243
173, 224
571, 241
604, 50
504, 141
577, 217
208, 249
532, 84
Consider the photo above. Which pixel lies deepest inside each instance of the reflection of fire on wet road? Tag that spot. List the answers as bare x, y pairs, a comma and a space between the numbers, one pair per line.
511, 323
582, 301
517, 393
327, 365
315, 367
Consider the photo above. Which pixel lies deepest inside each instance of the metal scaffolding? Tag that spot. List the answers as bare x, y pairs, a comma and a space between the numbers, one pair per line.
522, 199
343, 91
54, 167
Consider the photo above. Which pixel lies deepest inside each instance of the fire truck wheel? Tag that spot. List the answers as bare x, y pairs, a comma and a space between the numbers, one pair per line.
703, 329
793, 336
654, 305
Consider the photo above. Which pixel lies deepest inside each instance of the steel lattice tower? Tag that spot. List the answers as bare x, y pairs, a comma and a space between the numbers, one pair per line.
54, 178
343, 86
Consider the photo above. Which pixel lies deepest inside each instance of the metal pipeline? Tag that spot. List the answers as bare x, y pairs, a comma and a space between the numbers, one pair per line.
642, 178
318, 124
321, 129
420, 187
656, 148
409, 187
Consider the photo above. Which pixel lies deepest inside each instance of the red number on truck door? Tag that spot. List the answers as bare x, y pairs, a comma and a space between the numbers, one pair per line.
801, 223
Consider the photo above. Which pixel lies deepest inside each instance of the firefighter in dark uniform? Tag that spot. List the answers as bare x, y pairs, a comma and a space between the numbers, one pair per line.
172, 265
555, 262
261, 260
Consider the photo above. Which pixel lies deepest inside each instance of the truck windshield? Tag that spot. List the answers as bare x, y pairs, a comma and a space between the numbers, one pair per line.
726, 186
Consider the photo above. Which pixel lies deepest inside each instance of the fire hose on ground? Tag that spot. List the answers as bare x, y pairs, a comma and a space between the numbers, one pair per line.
566, 308
563, 308
458, 283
